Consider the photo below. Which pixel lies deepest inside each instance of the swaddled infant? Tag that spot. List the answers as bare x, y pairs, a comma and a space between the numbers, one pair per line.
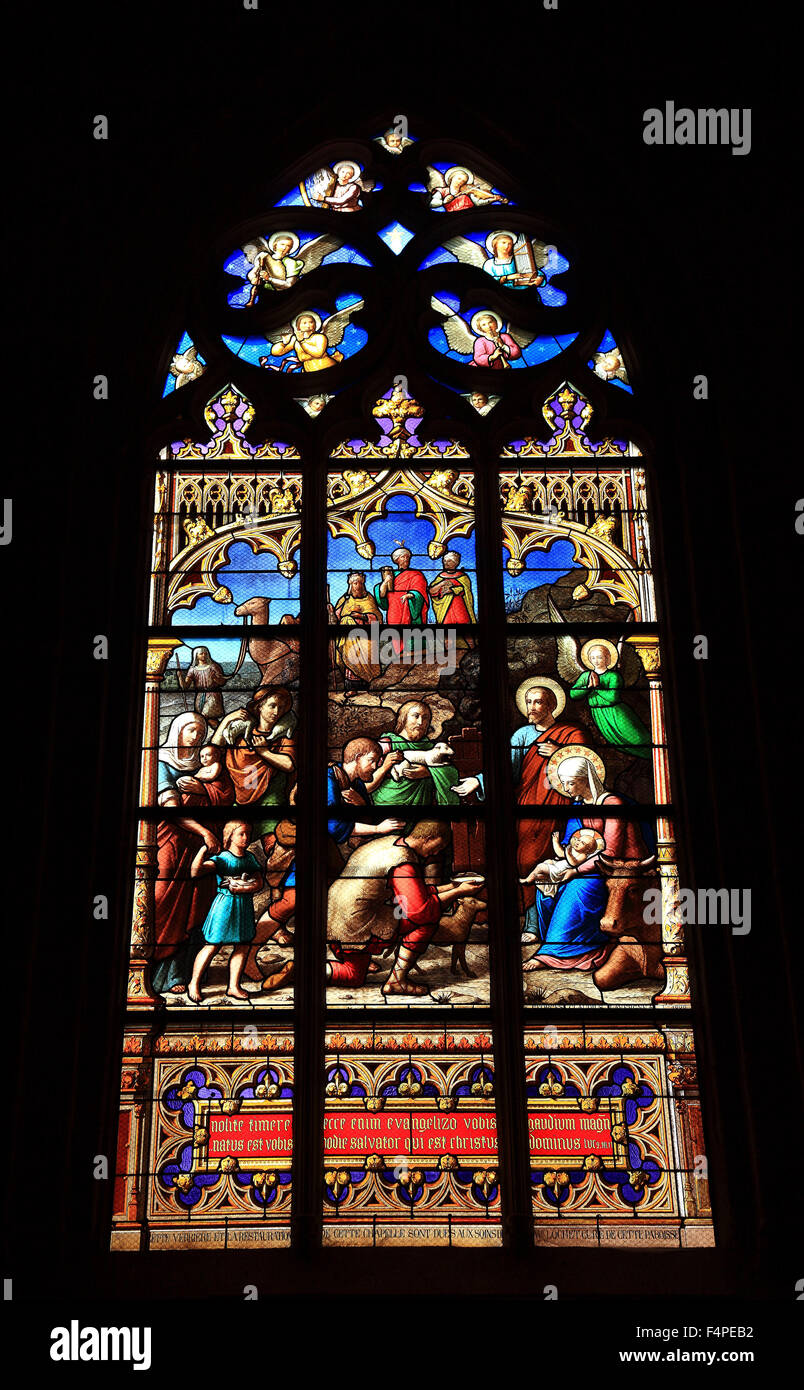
582, 845
437, 756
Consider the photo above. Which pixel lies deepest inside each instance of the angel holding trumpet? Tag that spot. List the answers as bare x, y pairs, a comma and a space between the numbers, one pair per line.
486, 338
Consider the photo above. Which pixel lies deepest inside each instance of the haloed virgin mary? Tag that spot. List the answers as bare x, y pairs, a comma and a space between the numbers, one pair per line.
567, 925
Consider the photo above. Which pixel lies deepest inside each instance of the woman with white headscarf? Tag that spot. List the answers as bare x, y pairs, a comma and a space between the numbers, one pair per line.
181, 903
179, 754
569, 923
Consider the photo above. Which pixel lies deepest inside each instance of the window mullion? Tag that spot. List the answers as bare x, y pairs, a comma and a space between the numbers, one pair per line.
505, 952
312, 887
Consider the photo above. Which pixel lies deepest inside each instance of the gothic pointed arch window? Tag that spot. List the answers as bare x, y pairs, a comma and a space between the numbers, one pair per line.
449, 1003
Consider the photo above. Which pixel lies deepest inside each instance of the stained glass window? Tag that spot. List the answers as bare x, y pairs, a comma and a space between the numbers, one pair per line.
450, 1000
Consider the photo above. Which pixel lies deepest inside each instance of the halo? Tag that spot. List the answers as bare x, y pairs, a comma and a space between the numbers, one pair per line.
573, 750
599, 642
310, 314
272, 240
457, 169
546, 684
492, 237
346, 164
481, 314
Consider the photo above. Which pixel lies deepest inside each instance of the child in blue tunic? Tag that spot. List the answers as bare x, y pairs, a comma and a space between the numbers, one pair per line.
230, 919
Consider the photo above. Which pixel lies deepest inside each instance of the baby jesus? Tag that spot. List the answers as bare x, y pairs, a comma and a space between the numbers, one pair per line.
550, 873
437, 756
211, 777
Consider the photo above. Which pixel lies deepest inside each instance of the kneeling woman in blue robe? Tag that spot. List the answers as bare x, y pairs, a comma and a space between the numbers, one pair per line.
568, 925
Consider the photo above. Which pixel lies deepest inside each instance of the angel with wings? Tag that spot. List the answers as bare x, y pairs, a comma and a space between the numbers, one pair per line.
394, 141
591, 676
185, 366
458, 189
511, 261
313, 341
484, 338
275, 264
339, 188
610, 366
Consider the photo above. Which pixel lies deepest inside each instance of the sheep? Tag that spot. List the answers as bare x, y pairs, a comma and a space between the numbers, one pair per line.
436, 756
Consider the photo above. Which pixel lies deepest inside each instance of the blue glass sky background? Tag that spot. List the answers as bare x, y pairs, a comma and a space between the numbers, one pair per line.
247, 576
401, 525
541, 567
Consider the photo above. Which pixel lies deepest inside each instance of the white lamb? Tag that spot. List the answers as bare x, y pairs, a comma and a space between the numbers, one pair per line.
436, 756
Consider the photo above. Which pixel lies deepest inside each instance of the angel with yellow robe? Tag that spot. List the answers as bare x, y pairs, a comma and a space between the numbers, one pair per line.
313, 341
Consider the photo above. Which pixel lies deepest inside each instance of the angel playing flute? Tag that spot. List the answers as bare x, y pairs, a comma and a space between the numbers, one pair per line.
312, 340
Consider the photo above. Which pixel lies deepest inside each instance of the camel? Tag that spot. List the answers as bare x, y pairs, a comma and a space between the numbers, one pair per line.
277, 659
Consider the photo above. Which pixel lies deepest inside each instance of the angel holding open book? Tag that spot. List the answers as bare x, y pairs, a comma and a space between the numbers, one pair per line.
516, 262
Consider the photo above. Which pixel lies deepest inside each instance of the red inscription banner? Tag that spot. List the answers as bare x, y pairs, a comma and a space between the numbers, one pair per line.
415, 1134
567, 1133
263, 1135
253, 1135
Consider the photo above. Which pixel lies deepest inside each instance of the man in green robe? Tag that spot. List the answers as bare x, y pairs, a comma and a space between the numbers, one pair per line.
617, 722
423, 785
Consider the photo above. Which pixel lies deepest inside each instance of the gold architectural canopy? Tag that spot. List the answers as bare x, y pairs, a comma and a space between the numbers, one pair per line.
568, 413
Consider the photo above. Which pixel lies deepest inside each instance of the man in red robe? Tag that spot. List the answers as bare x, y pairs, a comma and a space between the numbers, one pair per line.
403, 596
532, 747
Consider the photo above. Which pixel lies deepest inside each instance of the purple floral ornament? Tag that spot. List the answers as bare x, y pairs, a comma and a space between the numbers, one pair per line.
186, 1185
